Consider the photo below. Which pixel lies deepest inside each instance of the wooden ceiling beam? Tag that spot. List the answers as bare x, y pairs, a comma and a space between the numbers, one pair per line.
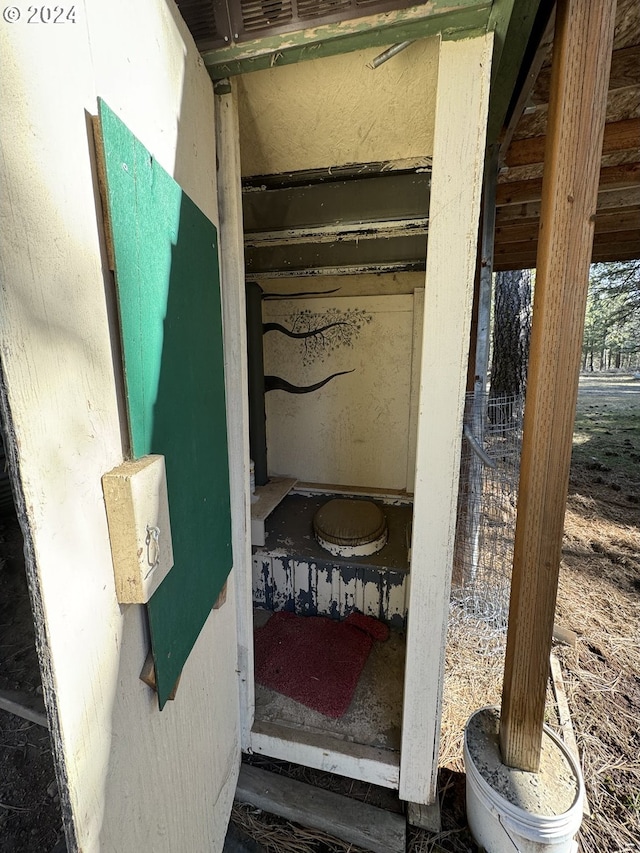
623, 240
607, 200
618, 136
625, 72
606, 224
539, 58
626, 176
601, 254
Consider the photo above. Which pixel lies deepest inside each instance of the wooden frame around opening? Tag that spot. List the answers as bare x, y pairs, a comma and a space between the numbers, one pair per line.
462, 102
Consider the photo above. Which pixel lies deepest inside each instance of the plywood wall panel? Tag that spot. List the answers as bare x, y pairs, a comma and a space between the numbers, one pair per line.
337, 110
131, 778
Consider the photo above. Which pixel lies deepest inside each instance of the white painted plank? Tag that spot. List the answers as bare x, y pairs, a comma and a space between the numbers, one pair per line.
458, 161
231, 242
261, 576
394, 599
348, 600
305, 587
324, 752
282, 581
371, 598
324, 591
353, 821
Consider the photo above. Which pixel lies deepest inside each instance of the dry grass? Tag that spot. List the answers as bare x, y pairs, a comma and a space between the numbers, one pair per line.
598, 598
473, 678
281, 836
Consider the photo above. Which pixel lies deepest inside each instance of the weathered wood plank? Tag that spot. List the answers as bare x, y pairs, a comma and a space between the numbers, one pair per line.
565, 636
608, 200
618, 136
625, 72
626, 176
627, 219
582, 51
521, 256
459, 151
564, 718
232, 292
350, 820
425, 817
23, 705
326, 752
267, 499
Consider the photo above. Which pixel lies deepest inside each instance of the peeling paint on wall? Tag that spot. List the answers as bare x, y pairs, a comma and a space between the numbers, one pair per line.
282, 582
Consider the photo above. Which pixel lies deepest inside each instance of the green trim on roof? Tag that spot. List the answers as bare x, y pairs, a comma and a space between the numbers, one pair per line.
512, 22
453, 19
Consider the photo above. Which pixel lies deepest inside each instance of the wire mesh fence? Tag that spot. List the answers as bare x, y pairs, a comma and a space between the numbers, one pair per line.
485, 531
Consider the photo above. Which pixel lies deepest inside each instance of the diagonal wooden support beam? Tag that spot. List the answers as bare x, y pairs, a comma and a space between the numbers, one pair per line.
582, 57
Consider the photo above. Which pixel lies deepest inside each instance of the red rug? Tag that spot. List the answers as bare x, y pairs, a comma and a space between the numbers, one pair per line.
314, 659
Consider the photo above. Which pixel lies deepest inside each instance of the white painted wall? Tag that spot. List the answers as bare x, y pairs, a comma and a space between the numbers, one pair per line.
132, 778
336, 110
366, 284
354, 431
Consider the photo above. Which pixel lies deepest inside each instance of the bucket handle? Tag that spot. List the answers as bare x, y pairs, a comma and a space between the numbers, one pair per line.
510, 837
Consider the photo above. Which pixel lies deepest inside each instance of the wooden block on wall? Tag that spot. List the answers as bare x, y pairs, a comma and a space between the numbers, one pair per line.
135, 495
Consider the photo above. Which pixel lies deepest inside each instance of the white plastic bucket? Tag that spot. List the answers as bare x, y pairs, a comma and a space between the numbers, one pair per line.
499, 826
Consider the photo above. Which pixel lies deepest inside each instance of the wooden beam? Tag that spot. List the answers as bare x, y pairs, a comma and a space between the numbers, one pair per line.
232, 293
601, 255
582, 56
625, 220
425, 817
512, 34
539, 58
464, 69
626, 176
618, 136
625, 72
324, 751
350, 820
564, 716
624, 240
607, 200
24, 705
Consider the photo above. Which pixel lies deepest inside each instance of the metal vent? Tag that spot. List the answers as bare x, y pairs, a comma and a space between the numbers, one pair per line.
258, 15
207, 21
215, 23
308, 9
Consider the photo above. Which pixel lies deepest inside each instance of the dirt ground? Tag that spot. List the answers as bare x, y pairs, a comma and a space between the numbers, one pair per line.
598, 598
29, 803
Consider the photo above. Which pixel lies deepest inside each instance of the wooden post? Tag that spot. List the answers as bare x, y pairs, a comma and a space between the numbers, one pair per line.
581, 60
464, 70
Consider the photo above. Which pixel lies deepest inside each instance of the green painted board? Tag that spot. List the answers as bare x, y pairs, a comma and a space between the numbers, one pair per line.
167, 277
